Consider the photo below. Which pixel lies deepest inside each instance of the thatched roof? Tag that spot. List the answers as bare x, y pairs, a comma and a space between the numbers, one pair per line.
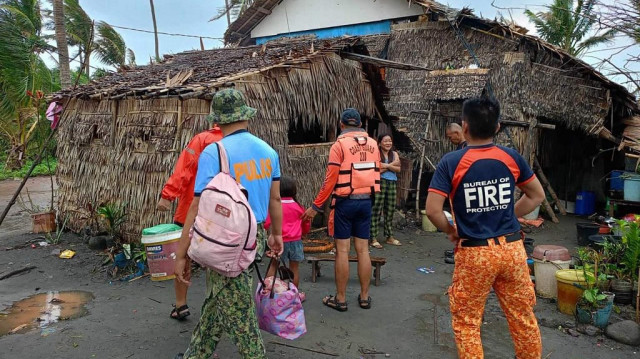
466, 18
376, 44
194, 73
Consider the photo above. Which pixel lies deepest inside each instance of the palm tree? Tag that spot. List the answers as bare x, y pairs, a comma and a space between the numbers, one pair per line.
24, 77
61, 43
232, 9
155, 30
79, 28
101, 40
110, 46
567, 24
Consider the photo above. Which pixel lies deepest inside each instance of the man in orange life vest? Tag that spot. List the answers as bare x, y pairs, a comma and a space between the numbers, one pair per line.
353, 177
480, 182
180, 186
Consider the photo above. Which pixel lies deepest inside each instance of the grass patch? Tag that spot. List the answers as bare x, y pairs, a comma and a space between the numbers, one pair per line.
41, 169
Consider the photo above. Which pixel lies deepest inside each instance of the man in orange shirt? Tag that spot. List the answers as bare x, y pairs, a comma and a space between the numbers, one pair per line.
181, 186
353, 178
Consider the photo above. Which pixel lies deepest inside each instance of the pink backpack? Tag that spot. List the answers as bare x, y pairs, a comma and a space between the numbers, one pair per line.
223, 236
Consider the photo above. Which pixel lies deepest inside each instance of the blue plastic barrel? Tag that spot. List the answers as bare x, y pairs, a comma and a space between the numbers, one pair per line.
616, 181
585, 203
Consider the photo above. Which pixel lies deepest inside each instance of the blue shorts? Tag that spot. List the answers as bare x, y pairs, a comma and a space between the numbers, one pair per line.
293, 251
352, 218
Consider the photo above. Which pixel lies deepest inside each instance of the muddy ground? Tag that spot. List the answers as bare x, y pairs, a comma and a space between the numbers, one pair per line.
409, 318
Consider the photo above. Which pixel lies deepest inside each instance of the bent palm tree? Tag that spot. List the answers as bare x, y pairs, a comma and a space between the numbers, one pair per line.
567, 24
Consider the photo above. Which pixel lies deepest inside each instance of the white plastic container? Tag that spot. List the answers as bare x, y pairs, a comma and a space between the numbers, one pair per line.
161, 254
547, 260
427, 226
533, 215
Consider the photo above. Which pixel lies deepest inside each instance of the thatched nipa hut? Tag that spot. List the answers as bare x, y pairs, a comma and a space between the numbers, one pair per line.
120, 136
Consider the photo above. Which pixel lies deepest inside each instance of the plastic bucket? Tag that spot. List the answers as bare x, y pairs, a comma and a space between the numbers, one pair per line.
533, 215
599, 318
545, 272
586, 202
632, 188
585, 230
161, 244
427, 226
568, 292
616, 181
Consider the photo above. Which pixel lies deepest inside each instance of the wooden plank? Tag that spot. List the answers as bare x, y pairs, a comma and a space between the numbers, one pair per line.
382, 62
545, 182
526, 124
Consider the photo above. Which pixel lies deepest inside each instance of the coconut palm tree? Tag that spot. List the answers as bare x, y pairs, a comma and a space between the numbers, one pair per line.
155, 30
232, 9
568, 24
24, 77
79, 28
61, 43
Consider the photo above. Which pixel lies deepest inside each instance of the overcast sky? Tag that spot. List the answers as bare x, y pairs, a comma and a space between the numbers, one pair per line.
191, 17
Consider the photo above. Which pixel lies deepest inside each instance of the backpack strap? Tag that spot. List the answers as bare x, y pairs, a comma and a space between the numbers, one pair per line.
223, 158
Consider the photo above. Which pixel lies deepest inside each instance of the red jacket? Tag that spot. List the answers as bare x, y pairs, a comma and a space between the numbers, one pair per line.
183, 179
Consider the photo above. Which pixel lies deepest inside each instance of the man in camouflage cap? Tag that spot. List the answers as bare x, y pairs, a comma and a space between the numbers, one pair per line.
229, 308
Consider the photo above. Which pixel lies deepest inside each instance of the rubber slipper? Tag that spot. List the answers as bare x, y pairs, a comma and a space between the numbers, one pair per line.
331, 302
394, 242
364, 304
180, 313
376, 244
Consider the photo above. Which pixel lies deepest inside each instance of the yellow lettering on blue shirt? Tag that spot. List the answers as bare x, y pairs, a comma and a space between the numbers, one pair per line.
249, 170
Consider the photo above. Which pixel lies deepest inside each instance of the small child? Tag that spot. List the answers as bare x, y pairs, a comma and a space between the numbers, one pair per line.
293, 228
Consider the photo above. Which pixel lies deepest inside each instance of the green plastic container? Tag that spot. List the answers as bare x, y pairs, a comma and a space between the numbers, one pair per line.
161, 229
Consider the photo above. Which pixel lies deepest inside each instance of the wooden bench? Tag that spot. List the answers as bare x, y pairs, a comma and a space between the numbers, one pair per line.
376, 262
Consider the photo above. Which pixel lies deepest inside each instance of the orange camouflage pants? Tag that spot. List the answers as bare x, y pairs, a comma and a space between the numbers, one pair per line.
503, 267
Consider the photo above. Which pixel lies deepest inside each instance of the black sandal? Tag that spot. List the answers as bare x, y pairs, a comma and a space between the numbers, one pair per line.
364, 304
180, 313
332, 302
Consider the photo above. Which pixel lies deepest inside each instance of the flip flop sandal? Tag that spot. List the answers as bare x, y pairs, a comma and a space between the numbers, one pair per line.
394, 242
302, 296
180, 313
332, 302
376, 244
364, 304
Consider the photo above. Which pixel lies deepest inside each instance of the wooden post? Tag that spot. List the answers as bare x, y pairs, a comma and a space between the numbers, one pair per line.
545, 182
424, 148
637, 298
201, 44
114, 121
176, 141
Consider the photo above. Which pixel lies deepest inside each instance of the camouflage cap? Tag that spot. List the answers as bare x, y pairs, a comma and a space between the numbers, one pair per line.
229, 106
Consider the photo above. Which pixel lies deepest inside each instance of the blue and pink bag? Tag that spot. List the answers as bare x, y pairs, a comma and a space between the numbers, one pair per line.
279, 308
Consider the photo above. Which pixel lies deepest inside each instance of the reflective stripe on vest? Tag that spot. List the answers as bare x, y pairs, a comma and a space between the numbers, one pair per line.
360, 167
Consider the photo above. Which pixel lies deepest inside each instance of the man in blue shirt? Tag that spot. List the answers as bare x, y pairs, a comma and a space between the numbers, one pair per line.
229, 308
480, 181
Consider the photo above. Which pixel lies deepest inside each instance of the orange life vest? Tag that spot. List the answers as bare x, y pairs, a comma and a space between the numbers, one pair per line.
360, 167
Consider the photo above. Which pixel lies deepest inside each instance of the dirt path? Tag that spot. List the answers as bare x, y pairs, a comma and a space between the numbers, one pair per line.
130, 320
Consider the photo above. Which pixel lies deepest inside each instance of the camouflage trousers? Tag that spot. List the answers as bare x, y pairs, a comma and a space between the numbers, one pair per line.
503, 267
229, 309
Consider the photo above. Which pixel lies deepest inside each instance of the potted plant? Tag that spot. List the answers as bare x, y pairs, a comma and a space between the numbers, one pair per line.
43, 218
629, 261
595, 305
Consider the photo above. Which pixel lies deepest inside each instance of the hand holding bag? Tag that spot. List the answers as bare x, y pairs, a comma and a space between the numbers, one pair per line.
278, 306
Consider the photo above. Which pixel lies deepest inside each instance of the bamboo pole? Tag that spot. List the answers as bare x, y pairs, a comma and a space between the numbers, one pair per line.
547, 184
638, 301
424, 148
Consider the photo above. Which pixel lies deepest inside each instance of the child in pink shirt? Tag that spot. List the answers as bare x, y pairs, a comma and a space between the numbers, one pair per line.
293, 228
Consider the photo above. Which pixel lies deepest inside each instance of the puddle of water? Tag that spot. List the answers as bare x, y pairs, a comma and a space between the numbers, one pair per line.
42, 310
437, 299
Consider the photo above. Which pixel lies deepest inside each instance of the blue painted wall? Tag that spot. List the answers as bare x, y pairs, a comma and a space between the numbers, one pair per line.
371, 28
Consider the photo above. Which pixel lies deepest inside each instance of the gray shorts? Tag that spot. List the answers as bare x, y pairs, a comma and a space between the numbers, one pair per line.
293, 251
